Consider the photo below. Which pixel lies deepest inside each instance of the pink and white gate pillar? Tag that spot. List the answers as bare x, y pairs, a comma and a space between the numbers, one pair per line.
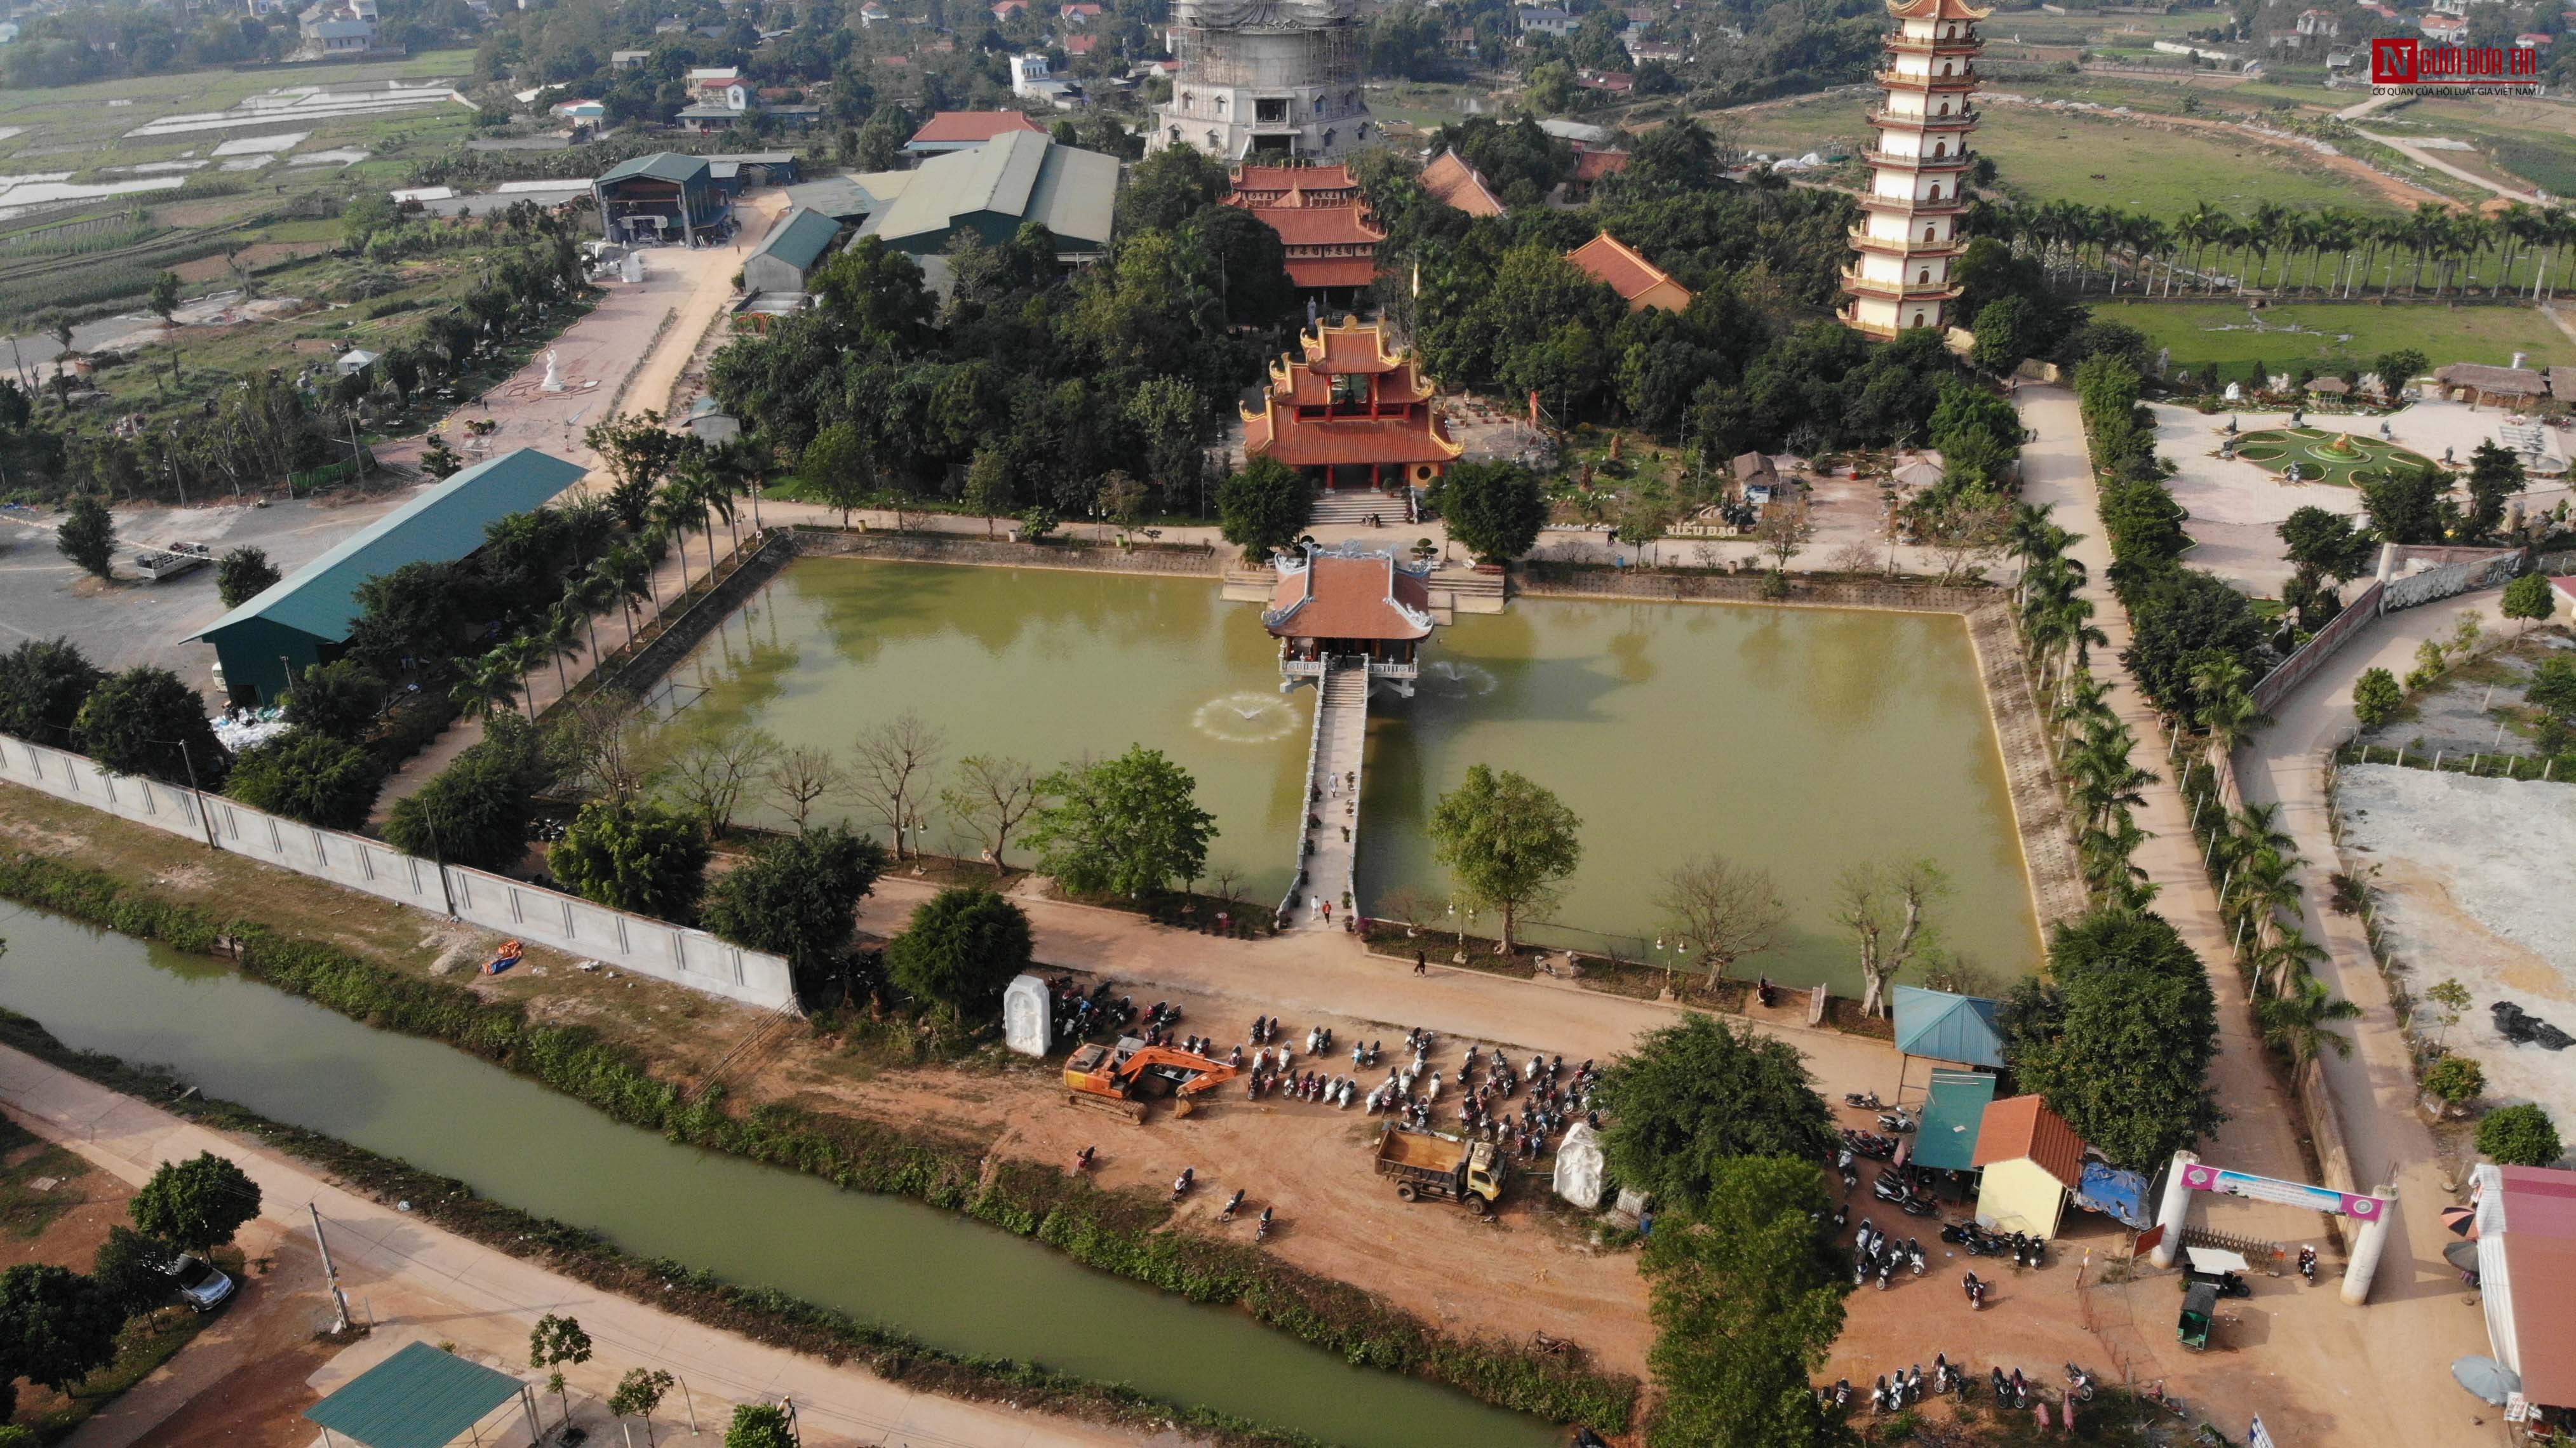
2190, 1174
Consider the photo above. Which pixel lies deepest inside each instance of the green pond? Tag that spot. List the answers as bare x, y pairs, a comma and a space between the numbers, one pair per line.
1804, 741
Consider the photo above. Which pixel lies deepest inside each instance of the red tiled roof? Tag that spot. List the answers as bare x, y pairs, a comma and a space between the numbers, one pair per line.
1608, 260
1453, 182
2536, 1236
1349, 347
954, 126
2023, 1126
1593, 165
1081, 44
1312, 272
1319, 225
1351, 598
1284, 178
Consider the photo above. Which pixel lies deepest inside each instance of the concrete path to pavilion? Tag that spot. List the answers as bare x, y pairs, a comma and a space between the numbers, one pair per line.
418, 1277
2388, 1360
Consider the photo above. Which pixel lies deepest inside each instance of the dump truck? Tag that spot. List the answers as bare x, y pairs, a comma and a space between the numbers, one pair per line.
1443, 1167
1126, 1077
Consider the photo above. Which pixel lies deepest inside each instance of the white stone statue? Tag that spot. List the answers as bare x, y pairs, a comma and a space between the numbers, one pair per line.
1579, 1167
554, 375
2236, 392
1025, 1024
632, 268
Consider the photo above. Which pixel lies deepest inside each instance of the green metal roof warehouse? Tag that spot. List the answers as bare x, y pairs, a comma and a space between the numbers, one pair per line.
304, 619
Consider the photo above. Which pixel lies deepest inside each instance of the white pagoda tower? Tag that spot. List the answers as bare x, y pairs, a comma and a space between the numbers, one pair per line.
1909, 233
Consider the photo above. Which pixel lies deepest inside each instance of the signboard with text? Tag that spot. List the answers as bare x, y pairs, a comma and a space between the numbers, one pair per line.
2201, 1177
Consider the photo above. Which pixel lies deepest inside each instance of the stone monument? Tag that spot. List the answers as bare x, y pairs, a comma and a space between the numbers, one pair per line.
2235, 391
1026, 1027
1579, 1168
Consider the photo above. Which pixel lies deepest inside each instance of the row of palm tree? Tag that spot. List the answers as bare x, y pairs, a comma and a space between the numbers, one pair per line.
704, 487
2094, 746
2282, 251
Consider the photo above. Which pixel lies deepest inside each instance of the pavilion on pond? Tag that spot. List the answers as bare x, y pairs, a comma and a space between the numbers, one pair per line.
1351, 411
1350, 602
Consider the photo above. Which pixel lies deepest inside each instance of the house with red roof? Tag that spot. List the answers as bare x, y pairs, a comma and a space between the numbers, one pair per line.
1639, 282
2029, 1160
948, 131
2525, 1228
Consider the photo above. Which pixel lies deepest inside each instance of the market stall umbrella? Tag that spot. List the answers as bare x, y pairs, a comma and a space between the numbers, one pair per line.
2462, 1219
2463, 1255
2487, 1379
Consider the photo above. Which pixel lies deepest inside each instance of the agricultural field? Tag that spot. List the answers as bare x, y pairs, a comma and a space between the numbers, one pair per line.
2331, 336
232, 185
2525, 142
2043, 154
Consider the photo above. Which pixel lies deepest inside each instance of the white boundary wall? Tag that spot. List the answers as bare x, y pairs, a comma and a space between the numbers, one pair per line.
634, 943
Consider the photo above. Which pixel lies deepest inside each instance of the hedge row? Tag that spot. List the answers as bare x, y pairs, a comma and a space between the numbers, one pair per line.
1123, 1233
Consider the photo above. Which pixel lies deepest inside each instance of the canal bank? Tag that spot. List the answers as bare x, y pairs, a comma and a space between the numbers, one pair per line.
931, 1274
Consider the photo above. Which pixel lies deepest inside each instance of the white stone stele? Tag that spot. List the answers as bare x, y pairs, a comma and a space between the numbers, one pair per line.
1580, 1175
1025, 1024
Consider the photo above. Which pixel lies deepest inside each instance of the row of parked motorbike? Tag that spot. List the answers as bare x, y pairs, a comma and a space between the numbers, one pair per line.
1910, 1386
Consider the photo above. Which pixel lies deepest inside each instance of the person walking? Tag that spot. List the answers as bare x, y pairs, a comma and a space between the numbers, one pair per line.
1421, 963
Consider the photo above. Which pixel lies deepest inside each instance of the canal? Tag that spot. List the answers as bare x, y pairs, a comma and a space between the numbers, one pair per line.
1804, 741
949, 1281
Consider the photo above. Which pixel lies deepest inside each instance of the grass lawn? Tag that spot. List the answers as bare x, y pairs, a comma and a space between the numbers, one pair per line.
2445, 334
25, 1211
2047, 155
2322, 456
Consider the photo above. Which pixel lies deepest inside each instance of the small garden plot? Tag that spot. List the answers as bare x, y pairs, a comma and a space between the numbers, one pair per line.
2323, 455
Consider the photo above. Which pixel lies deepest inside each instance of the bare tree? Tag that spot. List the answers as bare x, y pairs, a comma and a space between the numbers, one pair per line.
1887, 909
892, 771
710, 772
1785, 529
1722, 911
603, 738
802, 775
1410, 904
1856, 557
1966, 533
992, 795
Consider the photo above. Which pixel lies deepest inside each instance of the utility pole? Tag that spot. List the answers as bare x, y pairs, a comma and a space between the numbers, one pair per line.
330, 1274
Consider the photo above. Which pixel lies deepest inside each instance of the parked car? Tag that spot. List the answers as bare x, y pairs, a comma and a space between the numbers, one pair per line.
204, 1285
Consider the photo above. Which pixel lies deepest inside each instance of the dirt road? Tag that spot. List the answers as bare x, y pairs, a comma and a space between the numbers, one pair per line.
419, 1277
2433, 161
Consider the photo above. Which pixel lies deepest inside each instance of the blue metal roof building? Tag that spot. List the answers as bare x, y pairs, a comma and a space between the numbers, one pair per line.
1948, 1027
303, 620
420, 1398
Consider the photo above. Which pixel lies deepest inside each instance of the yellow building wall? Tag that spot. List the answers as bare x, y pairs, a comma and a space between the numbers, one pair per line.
1667, 294
2020, 1196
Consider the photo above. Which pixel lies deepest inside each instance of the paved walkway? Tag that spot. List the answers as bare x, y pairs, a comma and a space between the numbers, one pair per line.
2388, 1361
491, 1299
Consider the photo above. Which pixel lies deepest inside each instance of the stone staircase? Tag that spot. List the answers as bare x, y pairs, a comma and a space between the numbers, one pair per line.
1350, 507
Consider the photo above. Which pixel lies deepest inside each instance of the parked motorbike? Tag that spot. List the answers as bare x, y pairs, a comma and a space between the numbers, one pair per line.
2079, 1384
1897, 1122
1865, 1100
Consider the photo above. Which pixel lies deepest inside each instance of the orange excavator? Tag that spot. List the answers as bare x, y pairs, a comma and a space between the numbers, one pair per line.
1126, 1077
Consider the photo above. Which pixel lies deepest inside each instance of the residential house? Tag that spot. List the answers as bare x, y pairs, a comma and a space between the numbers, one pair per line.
628, 59
2030, 1159
2525, 1230
1544, 20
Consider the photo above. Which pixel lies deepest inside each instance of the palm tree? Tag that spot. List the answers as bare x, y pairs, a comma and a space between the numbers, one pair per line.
2106, 852
483, 685
555, 638
2295, 1025
2101, 776
627, 578
2227, 709
675, 511
2289, 956
2262, 886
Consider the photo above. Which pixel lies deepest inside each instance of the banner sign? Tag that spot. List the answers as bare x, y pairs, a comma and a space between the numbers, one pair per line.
2204, 1178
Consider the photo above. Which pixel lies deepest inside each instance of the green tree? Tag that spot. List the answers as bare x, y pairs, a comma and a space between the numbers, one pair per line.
553, 1342
307, 775
758, 1425
633, 856
2008, 330
2398, 368
1493, 510
2327, 542
838, 471
2454, 1079
475, 813
638, 1394
2495, 475
163, 300
2406, 504
1746, 1298
144, 721
639, 452
2295, 1024
1689, 1098
2530, 599
56, 1326
132, 1270
87, 535
43, 683
1508, 842
960, 949
198, 1203
244, 574
880, 146
340, 698
2376, 697
989, 489
1263, 508
1122, 826
797, 896
2509, 1135
2553, 687
2119, 1035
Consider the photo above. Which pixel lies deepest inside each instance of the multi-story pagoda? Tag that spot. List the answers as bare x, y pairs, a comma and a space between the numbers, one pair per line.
1909, 235
1351, 411
1268, 79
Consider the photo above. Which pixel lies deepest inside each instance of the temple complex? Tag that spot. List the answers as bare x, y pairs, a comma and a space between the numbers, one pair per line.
1909, 233
1350, 412
1353, 604
1326, 230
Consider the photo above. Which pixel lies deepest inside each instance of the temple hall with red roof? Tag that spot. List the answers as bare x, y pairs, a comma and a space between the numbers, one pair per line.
1351, 412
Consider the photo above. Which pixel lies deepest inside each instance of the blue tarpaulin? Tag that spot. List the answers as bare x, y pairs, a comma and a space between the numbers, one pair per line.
2121, 1195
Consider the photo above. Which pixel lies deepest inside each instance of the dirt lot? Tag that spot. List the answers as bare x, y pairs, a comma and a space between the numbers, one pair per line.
2474, 879
61, 1224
